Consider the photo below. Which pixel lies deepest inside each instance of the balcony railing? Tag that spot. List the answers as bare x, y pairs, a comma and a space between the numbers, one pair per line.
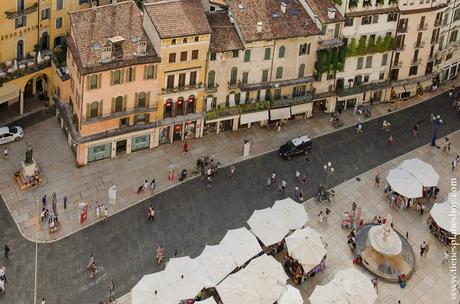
222, 112
330, 42
238, 109
234, 85
126, 112
416, 61
289, 101
190, 87
19, 13
402, 28
211, 88
23, 68
419, 44
423, 26
400, 47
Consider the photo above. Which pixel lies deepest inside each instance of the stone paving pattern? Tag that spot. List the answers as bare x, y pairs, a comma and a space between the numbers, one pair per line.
90, 184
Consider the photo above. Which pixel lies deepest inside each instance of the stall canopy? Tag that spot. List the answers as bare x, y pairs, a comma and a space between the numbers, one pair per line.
422, 171
281, 113
447, 214
238, 289
301, 108
328, 294
357, 287
267, 227
207, 301
292, 214
307, 247
217, 263
241, 244
290, 295
398, 90
253, 117
153, 289
404, 183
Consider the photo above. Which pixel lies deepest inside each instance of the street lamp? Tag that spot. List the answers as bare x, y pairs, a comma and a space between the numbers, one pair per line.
437, 123
328, 169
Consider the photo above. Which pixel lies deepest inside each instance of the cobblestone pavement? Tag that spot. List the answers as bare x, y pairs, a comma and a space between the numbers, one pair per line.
90, 184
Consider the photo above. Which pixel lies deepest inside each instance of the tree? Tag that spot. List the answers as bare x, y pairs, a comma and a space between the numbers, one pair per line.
379, 47
351, 49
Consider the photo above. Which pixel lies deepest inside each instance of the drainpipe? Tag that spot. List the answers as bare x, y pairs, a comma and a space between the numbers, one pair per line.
38, 27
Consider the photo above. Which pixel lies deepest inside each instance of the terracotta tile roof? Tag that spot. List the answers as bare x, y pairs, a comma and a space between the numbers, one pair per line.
224, 36
276, 24
177, 18
91, 29
320, 8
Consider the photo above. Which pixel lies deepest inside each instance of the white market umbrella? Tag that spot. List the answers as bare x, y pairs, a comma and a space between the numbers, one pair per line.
39, 57
422, 171
330, 293
15, 64
290, 295
267, 277
209, 300
216, 263
292, 214
357, 286
152, 289
267, 227
241, 244
238, 289
447, 214
307, 247
185, 277
404, 183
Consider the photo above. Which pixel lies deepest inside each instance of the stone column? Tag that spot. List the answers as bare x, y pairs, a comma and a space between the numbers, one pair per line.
218, 127
21, 103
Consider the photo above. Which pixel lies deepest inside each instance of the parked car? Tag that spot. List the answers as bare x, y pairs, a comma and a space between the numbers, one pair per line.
9, 134
298, 145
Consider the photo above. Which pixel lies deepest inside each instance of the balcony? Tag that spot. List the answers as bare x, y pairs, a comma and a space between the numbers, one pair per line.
222, 112
419, 44
397, 65
234, 85
253, 106
19, 13
289, 101
10, 72
416, 61
400, 47
422, 26
330, 42
275, 84
402, 28
126, 112
211, 88
191, 87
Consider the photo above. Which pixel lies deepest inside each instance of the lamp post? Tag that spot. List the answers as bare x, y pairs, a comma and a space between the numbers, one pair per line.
328, 169
437, 123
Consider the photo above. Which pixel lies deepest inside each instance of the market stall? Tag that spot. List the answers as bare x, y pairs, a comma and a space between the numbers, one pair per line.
241, 244
403, 188
217, 263
444, 218
422, 171
292, 214
267, 227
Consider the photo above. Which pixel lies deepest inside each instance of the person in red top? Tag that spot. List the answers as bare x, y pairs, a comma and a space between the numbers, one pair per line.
185, 147
150, 214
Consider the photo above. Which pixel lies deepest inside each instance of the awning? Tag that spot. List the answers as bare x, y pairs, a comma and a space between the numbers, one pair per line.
398, 90
426, 83
8, 92
301, 108
253, 117
411, 87
280, 113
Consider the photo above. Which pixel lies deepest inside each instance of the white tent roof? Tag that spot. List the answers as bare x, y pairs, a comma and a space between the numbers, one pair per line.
241, 244
404, 183
267, 227
290, 295
217, 263
422, 171
292, 214
330, 293
209, 300
152, 289
238, 289
357, 286
447, 214
307, 247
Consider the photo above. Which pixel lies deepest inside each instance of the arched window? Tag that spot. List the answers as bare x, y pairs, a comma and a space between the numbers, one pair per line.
281, 52
233, 75
279, 72
94, 109
301, 70
180, 106
211, 79
20, 50
141, 100
167, 112
118, 104
191, 104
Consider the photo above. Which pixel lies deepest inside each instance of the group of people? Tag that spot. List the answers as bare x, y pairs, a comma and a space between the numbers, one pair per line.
282, 186
101, 211
145, 186
92, 267
208, 168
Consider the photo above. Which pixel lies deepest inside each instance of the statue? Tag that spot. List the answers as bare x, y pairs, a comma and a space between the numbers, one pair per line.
29, 153
387, 227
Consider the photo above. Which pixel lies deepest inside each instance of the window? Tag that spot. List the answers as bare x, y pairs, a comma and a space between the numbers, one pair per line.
264, 76
457, 15
172, 57
366, 78
247, 55
348, 22
267, 54
45, 14
453, 36
59, 22
184, 40
381, 76
20, 22
244, 78
194, 54
279, 72
149, 72
235, 53
124, 122
94, 109
20, 50
392, 17
368, 62
301, 71
20, 5
170, 82
233, 75
446, 19
141, 100
196, 39
211, 79
93, 83
183, 56
116, 77
131, 74
212, 56
173, 41
366, 20
375, 19
359, 66
281, 52
59, 4
324, 29
192, 80
181, 80
384, 59
413, 70
118, 106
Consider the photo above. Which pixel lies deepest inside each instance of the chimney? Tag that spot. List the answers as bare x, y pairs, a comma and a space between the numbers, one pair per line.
141, 48
331, 13
283, 7
106, 54
259, 27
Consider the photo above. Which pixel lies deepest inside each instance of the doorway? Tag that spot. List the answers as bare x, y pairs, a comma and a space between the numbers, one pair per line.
177, 134
121, 147
319, 106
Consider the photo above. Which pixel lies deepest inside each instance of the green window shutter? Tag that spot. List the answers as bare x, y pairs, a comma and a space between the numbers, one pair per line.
99, 80
136, 100
134, 73
135, 119
111, 78
125, 102
113, 105
147, 117
147, 100
88, 111
122, 75
155, 67
100, 108
145, 72
88, 83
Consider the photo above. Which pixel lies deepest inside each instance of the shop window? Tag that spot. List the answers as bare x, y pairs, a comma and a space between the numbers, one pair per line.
99, 152
140, 142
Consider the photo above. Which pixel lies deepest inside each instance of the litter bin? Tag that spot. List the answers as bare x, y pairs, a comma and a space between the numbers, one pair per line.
246, 147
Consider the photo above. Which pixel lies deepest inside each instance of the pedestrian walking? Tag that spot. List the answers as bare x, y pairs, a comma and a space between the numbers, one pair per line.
415, 130
274, 177
451, 92
2, 286
150, 214
153, 185
5, 153
283, 186
300, 195
377, 180
355, 109
455, 162
422, 248
106, 214
93, 269
7, 250
146, 185
44, 200
65, 201
390, 140
209, 182
359, 128
91, 260
98, 211
446, 257
296, 192
327, 213
375, 282
269, 182
304, 179
160, 255
185, 148
232, 172
297, 175
3, 274
321, 216
425, 252
43, 301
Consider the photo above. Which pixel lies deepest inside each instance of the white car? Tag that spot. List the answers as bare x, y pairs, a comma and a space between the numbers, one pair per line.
9, 134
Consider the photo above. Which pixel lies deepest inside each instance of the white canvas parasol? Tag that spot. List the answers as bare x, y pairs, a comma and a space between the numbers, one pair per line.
404, 183
447, 214
357, 287
217, 263
328, 294
241, 244
209, 300
292, 214
152, 289
307, 247
290, 295
238, 289
267, 227
422, 171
